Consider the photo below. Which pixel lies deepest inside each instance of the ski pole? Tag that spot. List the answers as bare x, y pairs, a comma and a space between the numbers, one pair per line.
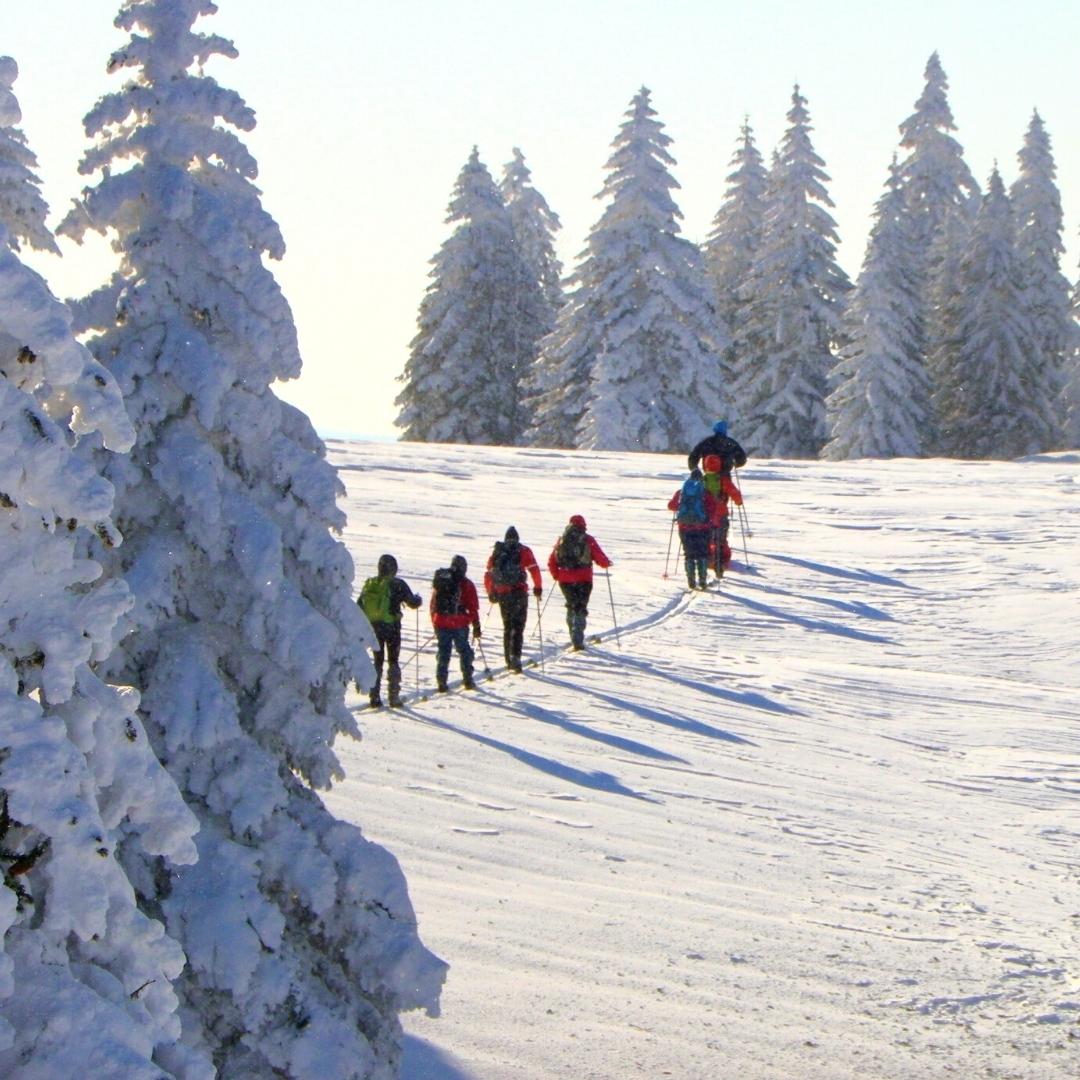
540, 631
611, 596
488, 674
671, 536
416, 640
742, 527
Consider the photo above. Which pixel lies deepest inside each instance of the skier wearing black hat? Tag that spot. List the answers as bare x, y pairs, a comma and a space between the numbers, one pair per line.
506, 585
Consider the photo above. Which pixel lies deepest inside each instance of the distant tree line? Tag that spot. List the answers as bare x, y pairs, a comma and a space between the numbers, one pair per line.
959, 337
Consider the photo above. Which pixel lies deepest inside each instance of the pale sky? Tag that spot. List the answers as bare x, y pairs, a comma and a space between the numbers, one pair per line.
368, 110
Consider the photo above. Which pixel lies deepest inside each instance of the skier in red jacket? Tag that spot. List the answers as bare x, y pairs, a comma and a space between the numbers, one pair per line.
570, 563
506, 585
454, 607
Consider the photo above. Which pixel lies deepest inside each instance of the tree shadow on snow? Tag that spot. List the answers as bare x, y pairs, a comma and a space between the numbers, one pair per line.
422, 1060
594, 781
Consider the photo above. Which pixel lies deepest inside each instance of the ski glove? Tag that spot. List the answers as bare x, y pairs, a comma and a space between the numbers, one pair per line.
538, 592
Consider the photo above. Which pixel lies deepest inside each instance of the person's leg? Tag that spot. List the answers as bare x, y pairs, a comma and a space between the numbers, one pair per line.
517, 613
506, 611
580, 613
377, 657
393, 664
444, 640
465, 655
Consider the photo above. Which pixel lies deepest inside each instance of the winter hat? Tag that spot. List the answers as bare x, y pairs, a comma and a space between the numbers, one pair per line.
578, 520
511, 534
695, 474
713, 463
387, 566
459, 565
720, 427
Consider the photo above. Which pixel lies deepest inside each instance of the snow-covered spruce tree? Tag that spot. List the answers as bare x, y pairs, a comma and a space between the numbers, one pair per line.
880, 406
796, 294
992, 402
85, 976
1039, 224
735, 238
938, 187
648, 370
300, 939
1070, 394
479, 324
535, 225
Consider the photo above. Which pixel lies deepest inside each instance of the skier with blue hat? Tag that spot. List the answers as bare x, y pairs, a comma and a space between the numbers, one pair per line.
722, 445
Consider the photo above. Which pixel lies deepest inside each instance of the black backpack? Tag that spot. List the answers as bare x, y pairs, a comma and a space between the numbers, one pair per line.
447, 592
506, 567
573, 549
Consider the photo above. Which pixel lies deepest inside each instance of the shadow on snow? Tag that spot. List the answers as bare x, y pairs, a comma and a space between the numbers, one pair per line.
594, 781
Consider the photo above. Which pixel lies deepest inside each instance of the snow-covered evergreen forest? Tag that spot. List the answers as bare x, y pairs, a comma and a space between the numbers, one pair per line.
958, 338
178, 626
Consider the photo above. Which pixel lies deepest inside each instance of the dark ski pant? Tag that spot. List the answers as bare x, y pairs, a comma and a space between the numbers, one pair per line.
577, 595
514, 608
388, 636
446, 641
695, 543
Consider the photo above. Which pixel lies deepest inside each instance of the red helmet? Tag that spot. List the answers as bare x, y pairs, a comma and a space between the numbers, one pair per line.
713, 463
578, 520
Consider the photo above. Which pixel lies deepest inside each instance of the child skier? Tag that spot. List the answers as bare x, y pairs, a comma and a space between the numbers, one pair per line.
720, 487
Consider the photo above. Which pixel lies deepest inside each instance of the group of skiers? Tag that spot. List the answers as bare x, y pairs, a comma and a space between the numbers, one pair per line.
700, 508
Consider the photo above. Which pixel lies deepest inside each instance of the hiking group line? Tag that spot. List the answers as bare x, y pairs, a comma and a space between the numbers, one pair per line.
700, 512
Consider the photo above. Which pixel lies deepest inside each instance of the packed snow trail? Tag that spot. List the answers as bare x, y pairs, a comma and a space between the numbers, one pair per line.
822, 825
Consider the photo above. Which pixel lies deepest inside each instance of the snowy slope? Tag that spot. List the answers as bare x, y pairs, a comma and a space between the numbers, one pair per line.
821, 825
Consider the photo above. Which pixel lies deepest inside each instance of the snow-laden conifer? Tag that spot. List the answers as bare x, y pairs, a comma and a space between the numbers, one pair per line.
479, 324
991, 401
880, 405
535, 225
635, 360
85, 976
735, 238
300, 940
796, 292
938, 189
1039, 225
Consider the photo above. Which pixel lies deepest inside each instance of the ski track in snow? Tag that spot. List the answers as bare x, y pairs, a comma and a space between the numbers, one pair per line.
821, 823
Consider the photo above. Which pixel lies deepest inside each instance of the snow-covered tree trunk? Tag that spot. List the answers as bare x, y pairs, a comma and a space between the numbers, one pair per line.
636, 354
880, 406
85, 976
479, 325
300, 939
796, 294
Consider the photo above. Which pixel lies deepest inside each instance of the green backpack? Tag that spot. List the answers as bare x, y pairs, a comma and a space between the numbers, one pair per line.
375, 599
